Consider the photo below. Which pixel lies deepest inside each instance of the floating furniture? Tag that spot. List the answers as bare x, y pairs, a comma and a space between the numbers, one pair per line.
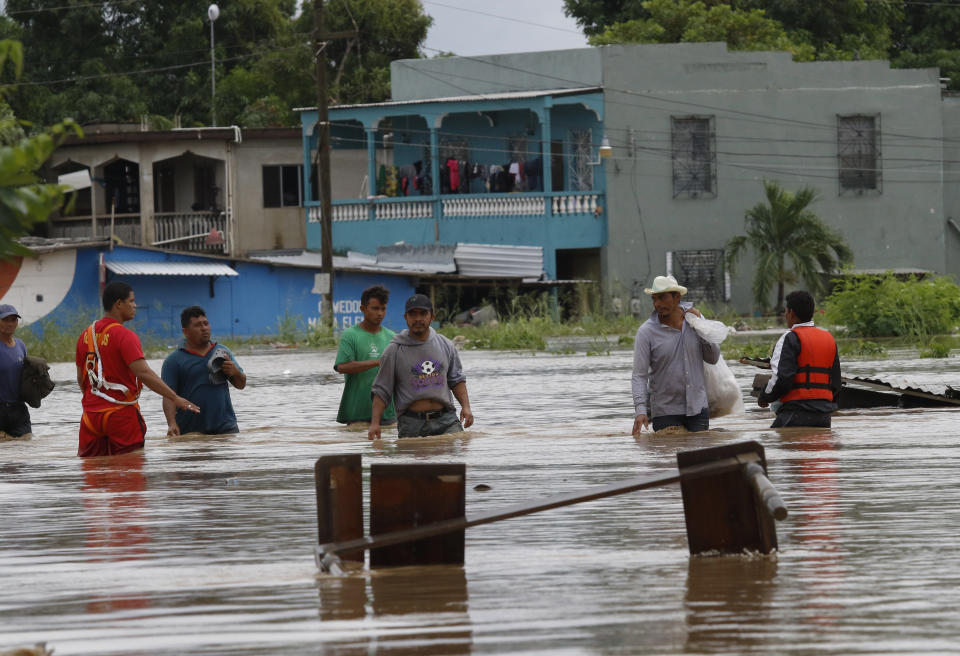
417, 511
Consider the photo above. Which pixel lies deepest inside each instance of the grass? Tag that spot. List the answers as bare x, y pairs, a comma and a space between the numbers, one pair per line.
527, 327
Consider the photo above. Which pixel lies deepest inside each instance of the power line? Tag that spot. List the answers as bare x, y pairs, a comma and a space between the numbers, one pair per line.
506, 18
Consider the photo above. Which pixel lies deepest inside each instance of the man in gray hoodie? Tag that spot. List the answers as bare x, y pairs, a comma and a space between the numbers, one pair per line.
418, 370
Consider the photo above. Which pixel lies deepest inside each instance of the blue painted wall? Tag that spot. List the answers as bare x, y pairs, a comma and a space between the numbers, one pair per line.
253, 303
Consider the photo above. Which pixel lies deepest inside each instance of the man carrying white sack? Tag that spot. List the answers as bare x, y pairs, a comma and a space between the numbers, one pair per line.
668, 357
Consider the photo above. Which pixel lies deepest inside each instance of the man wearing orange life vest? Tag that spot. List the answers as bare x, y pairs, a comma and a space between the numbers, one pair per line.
111, 371
805, 367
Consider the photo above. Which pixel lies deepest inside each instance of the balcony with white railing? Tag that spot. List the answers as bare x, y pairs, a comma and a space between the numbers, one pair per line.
201, 232
552, 204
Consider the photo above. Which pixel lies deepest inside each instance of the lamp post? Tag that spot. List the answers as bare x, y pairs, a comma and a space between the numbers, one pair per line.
213, 11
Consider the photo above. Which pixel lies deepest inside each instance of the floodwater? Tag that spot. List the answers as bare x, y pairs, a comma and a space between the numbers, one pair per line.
203, 545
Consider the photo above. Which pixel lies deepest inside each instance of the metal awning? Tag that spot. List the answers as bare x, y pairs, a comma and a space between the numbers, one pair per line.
170, 269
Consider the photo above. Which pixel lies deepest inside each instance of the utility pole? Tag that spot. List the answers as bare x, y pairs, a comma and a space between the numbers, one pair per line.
323, 166
320, 39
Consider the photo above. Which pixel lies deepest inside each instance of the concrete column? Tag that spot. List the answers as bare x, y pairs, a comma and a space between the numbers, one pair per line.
371, 169
546, 138
435, 172
148, 228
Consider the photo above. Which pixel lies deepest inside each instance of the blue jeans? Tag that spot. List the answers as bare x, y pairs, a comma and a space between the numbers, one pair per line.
423, 424
692, 423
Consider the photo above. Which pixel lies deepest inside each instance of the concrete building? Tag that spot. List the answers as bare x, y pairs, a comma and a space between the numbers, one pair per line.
171, 188
694, 130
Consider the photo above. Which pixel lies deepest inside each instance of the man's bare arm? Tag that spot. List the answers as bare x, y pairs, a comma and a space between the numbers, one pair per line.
142, 370
356, 366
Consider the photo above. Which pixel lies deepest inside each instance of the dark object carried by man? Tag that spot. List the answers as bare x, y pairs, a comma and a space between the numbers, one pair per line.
35, 383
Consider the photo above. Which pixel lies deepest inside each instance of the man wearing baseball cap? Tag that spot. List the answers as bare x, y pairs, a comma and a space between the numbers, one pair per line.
420, 371
14, 416
668, 357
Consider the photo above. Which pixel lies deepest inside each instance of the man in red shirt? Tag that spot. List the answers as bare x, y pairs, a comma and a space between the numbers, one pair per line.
111, 371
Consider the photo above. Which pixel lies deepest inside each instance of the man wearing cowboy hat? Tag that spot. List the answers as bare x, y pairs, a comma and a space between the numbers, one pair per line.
668, 357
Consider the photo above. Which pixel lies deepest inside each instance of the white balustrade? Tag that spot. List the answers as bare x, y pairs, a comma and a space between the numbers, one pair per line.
571, 204
496, 206
404, 210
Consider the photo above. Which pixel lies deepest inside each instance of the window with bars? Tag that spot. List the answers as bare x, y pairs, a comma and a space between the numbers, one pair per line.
694, 157
579, 168
702, 273
858, 153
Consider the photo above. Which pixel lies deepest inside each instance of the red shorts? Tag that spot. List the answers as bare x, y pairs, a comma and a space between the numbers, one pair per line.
111, 432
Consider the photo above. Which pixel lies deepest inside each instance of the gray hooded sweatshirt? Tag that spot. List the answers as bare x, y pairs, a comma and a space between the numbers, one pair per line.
411, 370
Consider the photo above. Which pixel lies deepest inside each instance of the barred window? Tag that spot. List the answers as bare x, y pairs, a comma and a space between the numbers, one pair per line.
694, 157
858, 152
702, 273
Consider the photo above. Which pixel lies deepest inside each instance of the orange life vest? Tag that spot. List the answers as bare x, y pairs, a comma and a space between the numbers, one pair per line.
814, 364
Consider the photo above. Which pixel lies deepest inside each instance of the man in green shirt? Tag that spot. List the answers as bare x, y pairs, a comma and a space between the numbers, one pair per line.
358, 358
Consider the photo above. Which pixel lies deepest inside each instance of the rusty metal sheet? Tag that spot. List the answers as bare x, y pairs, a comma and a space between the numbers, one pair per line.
409, 496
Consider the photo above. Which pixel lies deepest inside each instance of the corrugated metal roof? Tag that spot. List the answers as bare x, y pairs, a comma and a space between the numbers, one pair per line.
499, 261
170, 269
507, 95
466, 260
426, 258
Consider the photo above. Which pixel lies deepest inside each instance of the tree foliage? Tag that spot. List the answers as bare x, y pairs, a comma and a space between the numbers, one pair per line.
24, 199
678, 21
909, 34
119, 60
784, 228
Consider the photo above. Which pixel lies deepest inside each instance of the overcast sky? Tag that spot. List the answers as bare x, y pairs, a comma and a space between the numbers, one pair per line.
484, 27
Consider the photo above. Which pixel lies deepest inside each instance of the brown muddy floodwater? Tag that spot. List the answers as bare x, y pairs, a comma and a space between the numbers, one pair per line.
204, 545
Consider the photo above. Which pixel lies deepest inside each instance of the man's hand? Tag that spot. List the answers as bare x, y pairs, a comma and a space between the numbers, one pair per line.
641, 422
466, 416
762, 404
694, 311
233, 373
173, 429
183, 404
373, 433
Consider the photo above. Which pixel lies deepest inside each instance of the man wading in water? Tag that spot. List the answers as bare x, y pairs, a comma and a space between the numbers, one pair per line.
805, 368
419, 370
668, 357
111, 371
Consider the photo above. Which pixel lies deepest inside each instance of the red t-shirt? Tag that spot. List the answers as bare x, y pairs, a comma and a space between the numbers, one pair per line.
118, 348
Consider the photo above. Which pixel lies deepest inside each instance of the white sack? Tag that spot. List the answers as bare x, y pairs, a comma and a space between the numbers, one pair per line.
723, 393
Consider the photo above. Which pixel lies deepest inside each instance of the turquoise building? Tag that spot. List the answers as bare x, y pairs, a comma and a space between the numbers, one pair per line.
632, 161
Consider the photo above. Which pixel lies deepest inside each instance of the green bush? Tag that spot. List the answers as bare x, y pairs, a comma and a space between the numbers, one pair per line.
754, 350
935, 350
889, 306
862, 347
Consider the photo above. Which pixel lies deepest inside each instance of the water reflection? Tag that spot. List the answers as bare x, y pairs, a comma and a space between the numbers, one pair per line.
816, 522
420, 610
729, 602
115, 514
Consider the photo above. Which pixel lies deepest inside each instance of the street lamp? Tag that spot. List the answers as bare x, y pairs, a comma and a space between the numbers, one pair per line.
213, 11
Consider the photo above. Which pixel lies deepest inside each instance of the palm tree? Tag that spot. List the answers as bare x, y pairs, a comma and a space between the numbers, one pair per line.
784, 228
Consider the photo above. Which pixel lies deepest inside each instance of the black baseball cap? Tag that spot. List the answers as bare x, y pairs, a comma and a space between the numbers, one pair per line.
418, 302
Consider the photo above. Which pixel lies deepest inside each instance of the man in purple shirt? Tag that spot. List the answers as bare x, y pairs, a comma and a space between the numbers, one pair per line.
668, 357
14, 416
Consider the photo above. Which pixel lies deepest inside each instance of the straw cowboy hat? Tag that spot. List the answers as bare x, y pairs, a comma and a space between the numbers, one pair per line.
665, 284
